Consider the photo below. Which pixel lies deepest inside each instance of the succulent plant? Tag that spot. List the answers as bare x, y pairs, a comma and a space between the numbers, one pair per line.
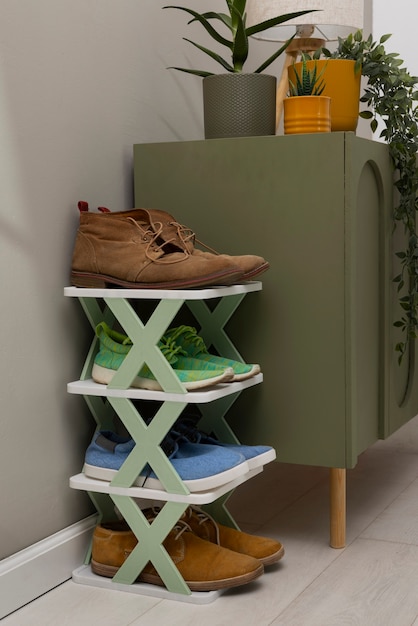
308, 82
238, 43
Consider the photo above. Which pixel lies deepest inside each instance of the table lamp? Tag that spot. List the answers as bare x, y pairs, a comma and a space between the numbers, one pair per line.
332, 19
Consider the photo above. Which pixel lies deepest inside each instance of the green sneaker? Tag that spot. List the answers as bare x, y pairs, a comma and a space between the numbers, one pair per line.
191, 343
114, 347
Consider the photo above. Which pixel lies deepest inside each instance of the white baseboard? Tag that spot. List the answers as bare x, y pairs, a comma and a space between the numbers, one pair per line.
35, 570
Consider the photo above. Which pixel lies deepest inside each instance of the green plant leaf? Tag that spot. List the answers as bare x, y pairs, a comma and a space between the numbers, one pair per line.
240, 46
216, 57
205, 23
236, 23
274, 56
275, 21
237, 10
222, 17
201, 73
391, 93
308, 81
384, 38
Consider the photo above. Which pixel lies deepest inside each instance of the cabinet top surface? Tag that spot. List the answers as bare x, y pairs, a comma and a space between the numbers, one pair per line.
165, 294
245, 143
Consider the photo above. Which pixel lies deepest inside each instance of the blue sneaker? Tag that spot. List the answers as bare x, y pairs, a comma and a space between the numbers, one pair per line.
255, 456
200, 466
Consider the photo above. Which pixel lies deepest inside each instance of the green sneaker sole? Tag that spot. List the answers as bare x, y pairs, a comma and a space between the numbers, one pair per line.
104, 376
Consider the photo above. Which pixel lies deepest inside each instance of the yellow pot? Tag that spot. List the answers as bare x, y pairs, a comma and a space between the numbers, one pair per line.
342, 85
306, 114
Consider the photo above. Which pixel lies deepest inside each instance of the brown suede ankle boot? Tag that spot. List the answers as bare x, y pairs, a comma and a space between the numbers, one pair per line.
124, 249
174, 233
250, 264
203, 565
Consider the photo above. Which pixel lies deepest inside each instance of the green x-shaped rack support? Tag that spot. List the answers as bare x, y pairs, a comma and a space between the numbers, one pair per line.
150, 543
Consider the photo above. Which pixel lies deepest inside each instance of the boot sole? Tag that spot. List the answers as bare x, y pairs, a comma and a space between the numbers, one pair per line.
100, 281
206, 585
256, 271
272, 558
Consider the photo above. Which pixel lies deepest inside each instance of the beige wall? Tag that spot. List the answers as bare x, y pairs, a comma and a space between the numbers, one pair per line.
81, 81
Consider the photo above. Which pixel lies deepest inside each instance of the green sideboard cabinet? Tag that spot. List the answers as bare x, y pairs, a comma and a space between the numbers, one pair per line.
318, 208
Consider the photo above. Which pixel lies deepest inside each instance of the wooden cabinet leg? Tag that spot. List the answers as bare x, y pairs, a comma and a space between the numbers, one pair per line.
337, 507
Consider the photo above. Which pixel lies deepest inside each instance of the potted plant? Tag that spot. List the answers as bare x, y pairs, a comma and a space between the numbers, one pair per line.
342, 84
236, 103
306, 110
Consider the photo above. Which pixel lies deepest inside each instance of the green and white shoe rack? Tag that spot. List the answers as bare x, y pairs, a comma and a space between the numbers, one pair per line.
106, 401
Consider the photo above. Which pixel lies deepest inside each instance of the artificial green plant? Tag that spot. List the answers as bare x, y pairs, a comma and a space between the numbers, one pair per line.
391, 95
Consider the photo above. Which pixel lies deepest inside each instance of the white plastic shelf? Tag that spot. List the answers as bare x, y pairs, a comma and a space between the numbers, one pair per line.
90, 388
165, 294
83, 483
84, 576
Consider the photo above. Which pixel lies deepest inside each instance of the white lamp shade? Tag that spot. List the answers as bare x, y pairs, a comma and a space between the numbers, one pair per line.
333, 18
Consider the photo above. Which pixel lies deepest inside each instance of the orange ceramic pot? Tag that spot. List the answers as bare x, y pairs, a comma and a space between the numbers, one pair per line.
306, 114
342, 85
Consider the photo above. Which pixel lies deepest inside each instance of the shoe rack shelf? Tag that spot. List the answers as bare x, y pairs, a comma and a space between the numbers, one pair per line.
116, 398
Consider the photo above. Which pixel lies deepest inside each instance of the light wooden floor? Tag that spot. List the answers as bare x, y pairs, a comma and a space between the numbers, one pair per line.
373, 581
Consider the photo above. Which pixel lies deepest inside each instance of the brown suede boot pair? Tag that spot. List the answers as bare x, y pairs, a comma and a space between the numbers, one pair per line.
208, 555
149, 249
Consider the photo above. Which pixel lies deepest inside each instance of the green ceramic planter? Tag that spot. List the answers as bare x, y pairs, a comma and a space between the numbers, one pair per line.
239, 105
